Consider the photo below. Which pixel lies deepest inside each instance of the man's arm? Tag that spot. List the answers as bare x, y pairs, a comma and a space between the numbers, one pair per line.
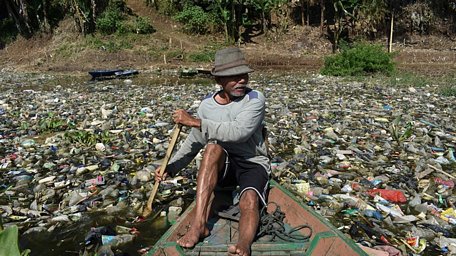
189, 149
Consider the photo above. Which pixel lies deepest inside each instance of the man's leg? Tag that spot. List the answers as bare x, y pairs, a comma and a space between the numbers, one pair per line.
213, 161
248, 223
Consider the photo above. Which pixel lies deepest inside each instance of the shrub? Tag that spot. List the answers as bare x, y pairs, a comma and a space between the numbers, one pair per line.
204, 56
109, 21
142, 26
195, 20
167, 7
361, 59
125, 27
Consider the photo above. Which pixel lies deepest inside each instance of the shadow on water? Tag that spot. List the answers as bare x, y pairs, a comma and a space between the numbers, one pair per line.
70, 239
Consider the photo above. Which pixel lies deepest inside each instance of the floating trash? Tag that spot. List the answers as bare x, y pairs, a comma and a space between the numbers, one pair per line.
370, 158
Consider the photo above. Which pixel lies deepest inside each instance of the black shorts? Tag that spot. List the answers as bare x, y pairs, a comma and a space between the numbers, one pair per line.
247, 175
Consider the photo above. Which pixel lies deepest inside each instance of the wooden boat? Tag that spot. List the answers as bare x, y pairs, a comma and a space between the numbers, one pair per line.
103, 73
324, 238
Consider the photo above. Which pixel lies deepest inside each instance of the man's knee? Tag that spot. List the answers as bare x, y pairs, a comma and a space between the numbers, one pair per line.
213, 149
249, 200
213, 154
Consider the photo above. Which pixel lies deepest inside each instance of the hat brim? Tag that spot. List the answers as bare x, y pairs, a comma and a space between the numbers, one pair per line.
239, 70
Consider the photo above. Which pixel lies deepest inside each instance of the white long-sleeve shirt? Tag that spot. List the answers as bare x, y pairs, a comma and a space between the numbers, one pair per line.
236, 126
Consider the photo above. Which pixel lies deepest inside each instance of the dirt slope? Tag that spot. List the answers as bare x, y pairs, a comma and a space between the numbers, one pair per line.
302, 49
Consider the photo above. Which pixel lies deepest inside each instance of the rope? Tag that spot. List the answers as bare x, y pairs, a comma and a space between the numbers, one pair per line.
272, 224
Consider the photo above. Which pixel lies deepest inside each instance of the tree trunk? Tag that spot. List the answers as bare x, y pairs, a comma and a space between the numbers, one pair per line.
78, 17
14, 12
45, 26
322, 15
390, 42
94, 12
303, 19
308, 13
233, 23
23, 11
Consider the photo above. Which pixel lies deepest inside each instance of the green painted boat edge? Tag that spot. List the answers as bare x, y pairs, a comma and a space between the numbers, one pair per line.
334, 231
313, 243
277, 247
157, 248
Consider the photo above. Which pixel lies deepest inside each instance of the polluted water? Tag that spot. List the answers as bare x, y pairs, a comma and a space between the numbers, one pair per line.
77, 159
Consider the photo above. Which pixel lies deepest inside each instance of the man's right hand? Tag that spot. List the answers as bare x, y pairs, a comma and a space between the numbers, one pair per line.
182, 117
158, 177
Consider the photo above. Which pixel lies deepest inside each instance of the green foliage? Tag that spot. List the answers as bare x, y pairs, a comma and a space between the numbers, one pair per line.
53, 123
448, 90
8, 31
400, 131
166, 7
87, 138
406, 79
143, 26
207, 54
175, 54
118, 5
109, 21
114, 20
195, 20
140, 25
109, 45
361, 59
203, 56
9, 242
125, 27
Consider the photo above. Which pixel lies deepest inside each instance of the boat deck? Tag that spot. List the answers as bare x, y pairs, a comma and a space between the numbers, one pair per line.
225, 232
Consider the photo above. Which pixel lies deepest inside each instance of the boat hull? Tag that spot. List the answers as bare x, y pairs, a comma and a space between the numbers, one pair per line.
325, 239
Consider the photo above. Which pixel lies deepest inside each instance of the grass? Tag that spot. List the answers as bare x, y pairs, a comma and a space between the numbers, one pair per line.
448, 90
111, 43
140, 45
406, 79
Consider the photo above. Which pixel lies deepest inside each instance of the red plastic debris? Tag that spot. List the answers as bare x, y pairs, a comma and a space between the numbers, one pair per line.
395, 196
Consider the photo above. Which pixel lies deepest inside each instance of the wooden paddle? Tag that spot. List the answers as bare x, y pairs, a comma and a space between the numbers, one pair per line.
176, 131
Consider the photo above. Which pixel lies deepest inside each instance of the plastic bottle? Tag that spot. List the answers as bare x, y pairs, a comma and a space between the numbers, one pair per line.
373, 214
118, 240
105, 250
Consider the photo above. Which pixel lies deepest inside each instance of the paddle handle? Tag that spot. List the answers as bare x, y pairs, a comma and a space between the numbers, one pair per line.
176, 131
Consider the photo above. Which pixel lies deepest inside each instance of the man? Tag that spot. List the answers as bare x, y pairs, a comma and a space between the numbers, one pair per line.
229, 124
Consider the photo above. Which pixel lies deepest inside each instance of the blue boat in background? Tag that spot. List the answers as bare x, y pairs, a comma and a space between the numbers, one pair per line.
112, 73
126, 73
103, 73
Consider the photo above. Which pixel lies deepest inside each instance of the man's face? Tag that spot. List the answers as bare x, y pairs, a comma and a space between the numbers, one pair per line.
236, 85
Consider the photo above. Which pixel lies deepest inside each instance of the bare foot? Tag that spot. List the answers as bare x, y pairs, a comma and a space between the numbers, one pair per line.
239, 250
193, 236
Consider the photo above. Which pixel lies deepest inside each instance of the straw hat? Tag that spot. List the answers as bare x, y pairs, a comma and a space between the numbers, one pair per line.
230, 62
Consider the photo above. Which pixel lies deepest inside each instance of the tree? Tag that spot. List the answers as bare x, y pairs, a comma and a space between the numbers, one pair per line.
393, 7
343, 18
18, 11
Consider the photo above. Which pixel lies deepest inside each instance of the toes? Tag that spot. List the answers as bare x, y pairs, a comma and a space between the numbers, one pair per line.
237, 251
232, 249
183, 243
